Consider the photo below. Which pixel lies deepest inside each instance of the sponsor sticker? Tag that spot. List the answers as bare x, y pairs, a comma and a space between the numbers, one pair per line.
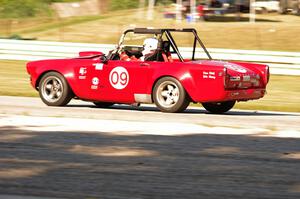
82, 73
98, 66
119, 77
209, 75
95, 83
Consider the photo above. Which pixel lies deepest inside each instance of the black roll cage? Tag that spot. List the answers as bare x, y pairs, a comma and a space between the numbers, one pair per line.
169, 36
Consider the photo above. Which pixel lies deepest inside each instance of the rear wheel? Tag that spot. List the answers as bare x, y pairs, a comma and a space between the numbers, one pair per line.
218, 107
170, 96
103, 104
54, 90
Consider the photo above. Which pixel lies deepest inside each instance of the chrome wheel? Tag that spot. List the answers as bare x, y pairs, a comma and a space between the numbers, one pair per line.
167, 94
170, 96
52, 89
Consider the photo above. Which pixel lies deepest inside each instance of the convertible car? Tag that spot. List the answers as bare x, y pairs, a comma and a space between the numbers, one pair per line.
156, 71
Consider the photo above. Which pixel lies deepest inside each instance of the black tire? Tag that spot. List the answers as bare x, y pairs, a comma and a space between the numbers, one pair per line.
103, 104
54, 90
218, 107
176, 96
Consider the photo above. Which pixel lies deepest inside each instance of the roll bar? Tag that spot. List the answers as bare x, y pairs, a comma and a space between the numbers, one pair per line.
168, 34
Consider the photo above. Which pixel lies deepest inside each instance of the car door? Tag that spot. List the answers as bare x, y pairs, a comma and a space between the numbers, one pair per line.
118, 81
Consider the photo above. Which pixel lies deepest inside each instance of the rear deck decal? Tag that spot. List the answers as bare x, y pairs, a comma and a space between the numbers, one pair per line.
209, 75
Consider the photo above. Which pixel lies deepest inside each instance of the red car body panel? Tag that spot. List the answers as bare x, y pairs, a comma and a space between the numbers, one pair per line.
204, 81
99, 78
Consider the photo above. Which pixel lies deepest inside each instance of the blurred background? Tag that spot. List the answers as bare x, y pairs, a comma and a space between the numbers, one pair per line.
259, 25
274, 25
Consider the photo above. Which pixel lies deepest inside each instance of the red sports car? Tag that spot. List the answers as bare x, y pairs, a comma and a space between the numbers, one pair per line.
156, 71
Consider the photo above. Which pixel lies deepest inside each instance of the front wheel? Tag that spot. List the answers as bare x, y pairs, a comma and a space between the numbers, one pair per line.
218, 107
54, 90
170, 96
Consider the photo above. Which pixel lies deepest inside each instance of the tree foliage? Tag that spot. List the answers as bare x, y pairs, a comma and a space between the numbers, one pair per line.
123, 4
21, 8
25, 8
131, 4
30, 8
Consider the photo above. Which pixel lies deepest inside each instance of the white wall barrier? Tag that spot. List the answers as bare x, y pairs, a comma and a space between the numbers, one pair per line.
283, 63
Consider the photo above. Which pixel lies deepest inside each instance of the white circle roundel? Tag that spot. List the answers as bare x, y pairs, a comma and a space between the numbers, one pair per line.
95, 81
119, 77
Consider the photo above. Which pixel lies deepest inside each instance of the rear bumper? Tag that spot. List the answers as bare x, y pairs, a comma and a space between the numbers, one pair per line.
230, 95
245, 94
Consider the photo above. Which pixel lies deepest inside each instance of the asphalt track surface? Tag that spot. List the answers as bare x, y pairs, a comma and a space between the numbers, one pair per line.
80, 151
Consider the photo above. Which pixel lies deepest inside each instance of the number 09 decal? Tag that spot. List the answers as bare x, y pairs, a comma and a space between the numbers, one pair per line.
119, 77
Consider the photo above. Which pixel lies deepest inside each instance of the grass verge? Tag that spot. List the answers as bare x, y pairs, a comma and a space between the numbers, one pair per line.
283, 91
283, 94
270, 32
14, 79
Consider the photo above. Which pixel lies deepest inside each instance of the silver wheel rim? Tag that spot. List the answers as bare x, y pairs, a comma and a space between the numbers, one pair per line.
52, 89
167, 94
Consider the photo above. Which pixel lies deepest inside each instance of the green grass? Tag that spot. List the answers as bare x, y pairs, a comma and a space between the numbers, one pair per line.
14, 79
59, 24
283, 94
283, 91
270, 32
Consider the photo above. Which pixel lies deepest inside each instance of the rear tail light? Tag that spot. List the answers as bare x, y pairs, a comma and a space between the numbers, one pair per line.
231, 82
267, 73
241, 81
225, 78
235, 78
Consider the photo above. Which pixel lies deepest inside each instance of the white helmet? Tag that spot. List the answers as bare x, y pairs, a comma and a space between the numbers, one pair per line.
149, 45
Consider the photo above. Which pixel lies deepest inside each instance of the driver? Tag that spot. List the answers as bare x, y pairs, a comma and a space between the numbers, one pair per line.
150, 46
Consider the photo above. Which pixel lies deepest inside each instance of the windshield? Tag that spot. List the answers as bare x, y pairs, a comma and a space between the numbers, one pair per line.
132, 39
